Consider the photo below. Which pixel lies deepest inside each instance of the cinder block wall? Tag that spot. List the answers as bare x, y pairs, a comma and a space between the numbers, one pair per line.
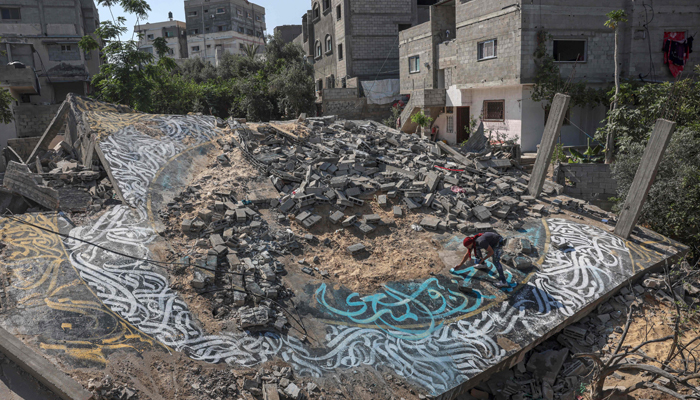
24, 146
32, 120
587, 181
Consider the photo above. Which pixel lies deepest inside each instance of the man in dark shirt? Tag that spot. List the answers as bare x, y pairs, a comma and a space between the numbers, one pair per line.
492, 243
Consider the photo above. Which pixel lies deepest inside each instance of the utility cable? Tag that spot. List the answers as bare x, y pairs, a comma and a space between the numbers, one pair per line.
13, 218
149, 261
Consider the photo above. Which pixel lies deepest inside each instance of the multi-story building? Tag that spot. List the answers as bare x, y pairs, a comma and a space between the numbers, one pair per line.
43, 36
350, 41
215, 27
174, 32
475, 60
357, 38
288, 32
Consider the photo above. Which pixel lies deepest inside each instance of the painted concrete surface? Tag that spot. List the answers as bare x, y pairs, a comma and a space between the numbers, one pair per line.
428, 332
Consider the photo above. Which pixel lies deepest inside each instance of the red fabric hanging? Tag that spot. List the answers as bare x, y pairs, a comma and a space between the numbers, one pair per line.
676, 51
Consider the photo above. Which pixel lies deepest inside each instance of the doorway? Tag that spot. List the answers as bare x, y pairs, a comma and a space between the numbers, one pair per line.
462, 124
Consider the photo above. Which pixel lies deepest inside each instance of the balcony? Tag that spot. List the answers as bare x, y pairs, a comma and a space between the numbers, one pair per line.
19, 80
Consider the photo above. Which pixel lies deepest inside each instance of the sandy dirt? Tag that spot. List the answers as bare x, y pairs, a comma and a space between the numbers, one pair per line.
395, 252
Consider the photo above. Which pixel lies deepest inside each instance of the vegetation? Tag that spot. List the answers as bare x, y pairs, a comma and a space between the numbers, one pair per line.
421, 119
395, 114
275, 84
615, 18
672, 207
6, 100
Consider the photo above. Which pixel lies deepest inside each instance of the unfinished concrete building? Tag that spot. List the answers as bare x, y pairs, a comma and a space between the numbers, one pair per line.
350, 41
174, 33
474, 60
224, 26
288, 32
43, 36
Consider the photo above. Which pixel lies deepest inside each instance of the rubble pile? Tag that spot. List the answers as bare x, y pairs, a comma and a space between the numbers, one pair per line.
551, 370
346, 163
321, 169
56, 180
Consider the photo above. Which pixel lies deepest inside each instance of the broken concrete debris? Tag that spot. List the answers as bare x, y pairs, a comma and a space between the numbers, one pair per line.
55, 180
332, 162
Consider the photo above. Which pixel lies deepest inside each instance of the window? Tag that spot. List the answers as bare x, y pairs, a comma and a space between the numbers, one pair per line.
220, 28
317, 12
414, 64
240, 13
150, 37
195, 48
208, 46
340, 52
567, 116
259, 34
192, 13
329, 44
494, 110
221, 11
326, 4
250, 16
194, 32
487, 49
569, 50
450, 124
168, 34
10, 13
171, 51
319, 50
249, 32
241, 46
241, 29
319, 85
258, 18
206, 11
148, 50
338, 13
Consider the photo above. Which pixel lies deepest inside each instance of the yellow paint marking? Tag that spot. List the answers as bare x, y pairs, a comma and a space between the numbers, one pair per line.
66, 325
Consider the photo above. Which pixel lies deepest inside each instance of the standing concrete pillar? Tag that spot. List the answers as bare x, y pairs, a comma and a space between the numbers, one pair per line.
549, 138
644, 178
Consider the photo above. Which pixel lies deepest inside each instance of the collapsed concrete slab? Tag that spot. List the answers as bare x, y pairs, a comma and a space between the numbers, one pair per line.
19, 179
435, 337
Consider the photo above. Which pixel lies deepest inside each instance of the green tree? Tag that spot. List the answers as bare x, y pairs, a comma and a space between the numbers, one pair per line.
251, 50
672, 207
129, 75
6, 100
421, 119
615, 18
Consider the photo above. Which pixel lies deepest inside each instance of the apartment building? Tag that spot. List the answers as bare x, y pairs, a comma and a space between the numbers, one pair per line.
474, 59
174, 33
350, 41
43, 36
223, 26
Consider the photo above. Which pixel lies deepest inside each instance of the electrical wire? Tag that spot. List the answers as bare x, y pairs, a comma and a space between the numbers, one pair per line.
652, 70
161, 263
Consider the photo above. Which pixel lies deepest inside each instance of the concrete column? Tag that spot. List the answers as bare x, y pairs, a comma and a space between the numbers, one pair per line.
549, 138
644, 177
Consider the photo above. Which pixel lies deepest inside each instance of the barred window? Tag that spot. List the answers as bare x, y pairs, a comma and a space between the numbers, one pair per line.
494, 110
450, 124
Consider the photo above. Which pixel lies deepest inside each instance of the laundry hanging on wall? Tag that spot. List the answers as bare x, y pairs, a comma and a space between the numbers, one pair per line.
677, 49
